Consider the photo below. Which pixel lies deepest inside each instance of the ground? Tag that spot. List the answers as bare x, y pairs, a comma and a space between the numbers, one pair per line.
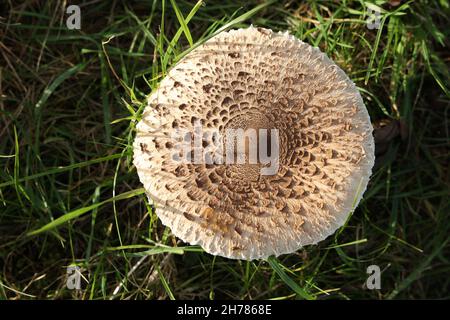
70, 196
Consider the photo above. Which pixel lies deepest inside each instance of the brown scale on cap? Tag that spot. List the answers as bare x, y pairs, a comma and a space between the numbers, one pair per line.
255, 78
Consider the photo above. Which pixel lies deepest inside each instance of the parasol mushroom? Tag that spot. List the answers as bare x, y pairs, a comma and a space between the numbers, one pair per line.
256, 78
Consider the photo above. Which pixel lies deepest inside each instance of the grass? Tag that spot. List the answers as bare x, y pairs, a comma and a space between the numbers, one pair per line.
69, 195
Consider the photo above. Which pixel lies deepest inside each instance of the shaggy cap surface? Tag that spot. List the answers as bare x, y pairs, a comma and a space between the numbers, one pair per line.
256, 78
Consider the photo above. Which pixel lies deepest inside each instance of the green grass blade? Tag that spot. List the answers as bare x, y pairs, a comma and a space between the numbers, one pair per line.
78, 212
165, 284
52, 87
63, 169
277, 267
182, 22
177, 35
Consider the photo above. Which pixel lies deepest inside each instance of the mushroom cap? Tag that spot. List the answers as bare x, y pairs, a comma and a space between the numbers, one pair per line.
256, 78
